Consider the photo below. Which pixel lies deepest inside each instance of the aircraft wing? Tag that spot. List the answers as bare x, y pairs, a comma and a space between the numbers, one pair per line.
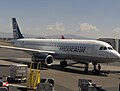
28, 50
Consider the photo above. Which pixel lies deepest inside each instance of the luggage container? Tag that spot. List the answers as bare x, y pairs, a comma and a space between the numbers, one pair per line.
46, 84
18, 72
87, 85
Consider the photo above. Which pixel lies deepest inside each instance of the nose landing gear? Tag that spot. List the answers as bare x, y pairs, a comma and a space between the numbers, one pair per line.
95, 70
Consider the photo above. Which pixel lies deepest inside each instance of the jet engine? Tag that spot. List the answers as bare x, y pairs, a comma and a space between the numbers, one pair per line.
43, 58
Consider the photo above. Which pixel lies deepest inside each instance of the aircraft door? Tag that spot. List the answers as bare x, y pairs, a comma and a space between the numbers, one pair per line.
90, 50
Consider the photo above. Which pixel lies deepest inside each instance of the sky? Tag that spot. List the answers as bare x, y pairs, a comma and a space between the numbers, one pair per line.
88, 18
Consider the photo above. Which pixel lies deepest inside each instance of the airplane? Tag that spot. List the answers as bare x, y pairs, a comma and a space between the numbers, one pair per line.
46, 50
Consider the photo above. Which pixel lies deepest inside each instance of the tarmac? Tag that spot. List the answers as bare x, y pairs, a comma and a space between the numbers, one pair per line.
66, 79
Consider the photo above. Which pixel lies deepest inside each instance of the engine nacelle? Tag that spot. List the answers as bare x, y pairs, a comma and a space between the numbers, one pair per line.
43, 58
49, 60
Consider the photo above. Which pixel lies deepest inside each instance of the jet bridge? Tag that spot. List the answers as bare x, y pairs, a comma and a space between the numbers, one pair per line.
115, 43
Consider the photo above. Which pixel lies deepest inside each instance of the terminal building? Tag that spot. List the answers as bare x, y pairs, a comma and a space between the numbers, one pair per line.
115, 43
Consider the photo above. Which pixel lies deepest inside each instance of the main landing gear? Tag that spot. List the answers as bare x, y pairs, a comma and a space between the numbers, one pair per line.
86, 67
63, 63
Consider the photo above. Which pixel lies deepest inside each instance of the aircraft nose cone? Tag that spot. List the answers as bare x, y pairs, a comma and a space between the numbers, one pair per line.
117, 55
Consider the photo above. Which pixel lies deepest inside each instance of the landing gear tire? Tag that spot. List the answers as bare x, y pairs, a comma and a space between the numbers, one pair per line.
63, 63
86, 68
95, 70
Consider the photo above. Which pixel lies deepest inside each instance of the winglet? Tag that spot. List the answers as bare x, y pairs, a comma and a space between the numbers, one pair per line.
16, 31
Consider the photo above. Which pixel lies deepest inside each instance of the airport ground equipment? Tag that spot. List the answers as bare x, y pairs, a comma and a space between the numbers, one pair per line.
46, 84
34, 75
4, 82
18, 73
115, 43
119, 86
87, 85
4, 89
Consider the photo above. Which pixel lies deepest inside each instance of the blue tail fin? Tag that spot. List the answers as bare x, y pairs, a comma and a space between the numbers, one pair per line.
16, 31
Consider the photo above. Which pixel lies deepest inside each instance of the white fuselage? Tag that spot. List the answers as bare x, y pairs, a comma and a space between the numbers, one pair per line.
77, 50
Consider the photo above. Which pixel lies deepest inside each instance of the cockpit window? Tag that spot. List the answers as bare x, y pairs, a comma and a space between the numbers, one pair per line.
101, 48
110, 48
105, 48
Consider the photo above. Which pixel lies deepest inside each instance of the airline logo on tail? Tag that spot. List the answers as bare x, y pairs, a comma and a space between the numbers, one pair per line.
16, 31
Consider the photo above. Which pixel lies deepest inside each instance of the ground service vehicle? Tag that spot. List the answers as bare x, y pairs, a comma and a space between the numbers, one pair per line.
18, 72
